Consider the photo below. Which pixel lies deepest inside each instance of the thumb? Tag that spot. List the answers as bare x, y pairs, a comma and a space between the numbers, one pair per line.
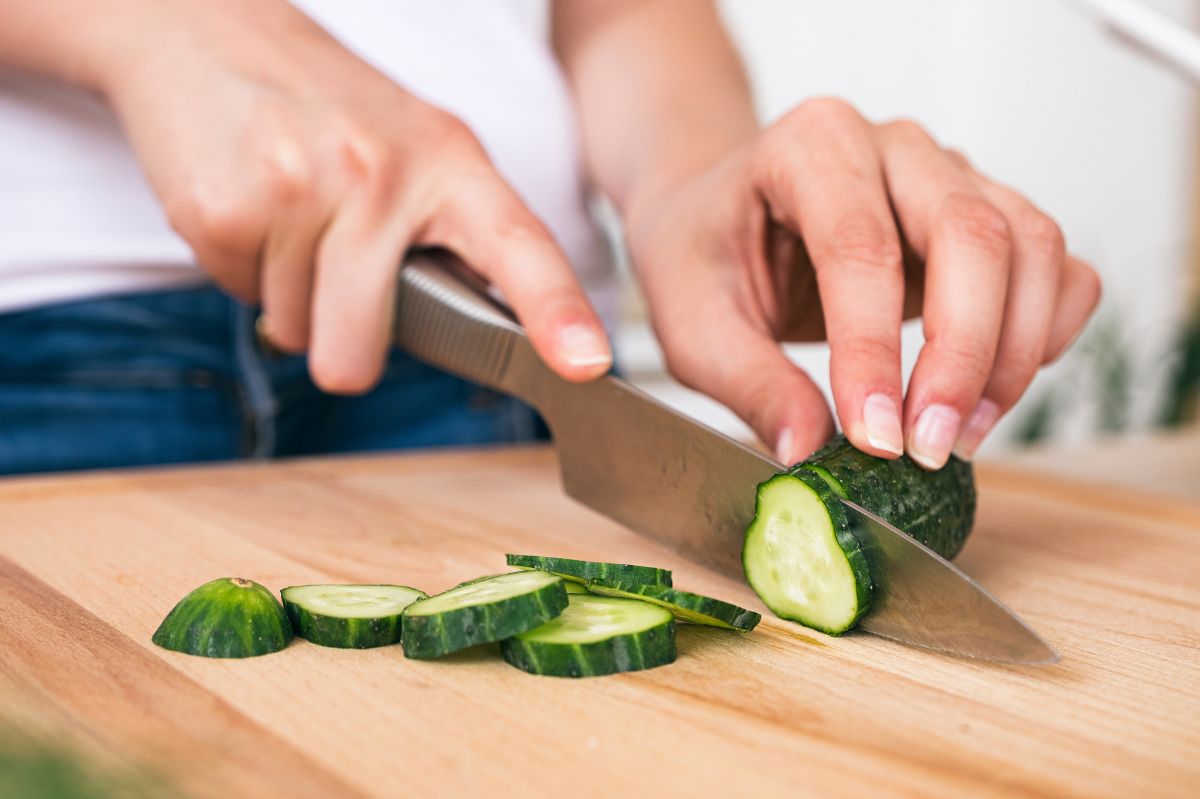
770, 393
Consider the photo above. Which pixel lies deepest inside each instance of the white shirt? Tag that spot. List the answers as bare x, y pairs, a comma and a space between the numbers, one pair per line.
78, 219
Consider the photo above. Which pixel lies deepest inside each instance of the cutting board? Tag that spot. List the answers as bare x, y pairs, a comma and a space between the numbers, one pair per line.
90, 565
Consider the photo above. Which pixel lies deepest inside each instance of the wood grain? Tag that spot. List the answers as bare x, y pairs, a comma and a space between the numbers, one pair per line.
89, 566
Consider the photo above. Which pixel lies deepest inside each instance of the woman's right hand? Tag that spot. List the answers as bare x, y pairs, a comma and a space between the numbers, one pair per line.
300, 176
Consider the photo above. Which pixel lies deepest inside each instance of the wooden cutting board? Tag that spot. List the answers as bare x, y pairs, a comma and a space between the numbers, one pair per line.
90, 565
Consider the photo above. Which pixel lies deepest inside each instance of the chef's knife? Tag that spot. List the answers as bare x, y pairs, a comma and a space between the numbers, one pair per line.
672, 479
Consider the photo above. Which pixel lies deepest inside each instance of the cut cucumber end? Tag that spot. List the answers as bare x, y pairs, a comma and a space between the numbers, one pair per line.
596, 636
800, 557
229, 617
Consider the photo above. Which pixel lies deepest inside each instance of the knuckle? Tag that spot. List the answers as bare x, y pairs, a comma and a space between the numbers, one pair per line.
905, 129
972, 218
208, 222
871, 349
442, 126
824, 108
287, 170
959, 159
829, 115
971, 360
1041, 233
368, 157
860, 239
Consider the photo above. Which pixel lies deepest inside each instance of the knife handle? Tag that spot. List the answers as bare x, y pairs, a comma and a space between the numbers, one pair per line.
445, 317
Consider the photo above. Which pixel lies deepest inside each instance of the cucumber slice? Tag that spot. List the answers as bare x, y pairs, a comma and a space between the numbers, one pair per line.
686, 606
481, 611
583, 571
226, 618
574, 587
801, 558
348, 616
595, 636
936, 508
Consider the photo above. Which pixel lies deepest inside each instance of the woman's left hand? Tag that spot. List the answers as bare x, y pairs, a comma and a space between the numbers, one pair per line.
827, 226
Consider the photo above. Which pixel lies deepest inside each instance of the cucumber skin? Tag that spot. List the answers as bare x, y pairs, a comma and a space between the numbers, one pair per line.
226, 618
850, 545
584, 571
427, 637
655, 647
723, 614
935, 508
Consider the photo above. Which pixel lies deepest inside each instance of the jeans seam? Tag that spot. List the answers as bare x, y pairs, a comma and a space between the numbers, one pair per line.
259, 404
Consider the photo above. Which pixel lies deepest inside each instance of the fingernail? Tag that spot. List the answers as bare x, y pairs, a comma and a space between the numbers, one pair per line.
980, 423
582, 345
881, 424
934, 436
783, 447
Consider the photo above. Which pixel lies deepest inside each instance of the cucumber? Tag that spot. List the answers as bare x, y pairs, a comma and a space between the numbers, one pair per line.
348, 616
801, 557
481, 611
686, 606
574, 587
936, 508
595, 636
583, 571
226, 618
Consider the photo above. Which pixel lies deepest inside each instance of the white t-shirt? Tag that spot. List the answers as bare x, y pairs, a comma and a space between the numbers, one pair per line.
77, 218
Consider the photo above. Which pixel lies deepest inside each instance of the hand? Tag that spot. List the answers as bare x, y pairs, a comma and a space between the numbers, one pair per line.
300, 176
827, 226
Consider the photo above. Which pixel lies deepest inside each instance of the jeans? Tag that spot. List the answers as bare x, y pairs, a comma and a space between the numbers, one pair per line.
179, 376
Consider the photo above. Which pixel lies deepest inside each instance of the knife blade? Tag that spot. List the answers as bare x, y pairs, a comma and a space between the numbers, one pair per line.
672, 479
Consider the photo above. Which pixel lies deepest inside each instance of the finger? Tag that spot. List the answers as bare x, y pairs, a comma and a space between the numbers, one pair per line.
354, 283
1038, 256
289, 259
1079, 293
766, 390
487, 225
226, 237
834, 198
966, 243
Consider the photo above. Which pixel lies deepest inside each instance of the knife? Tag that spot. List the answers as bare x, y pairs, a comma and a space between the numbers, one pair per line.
691, 488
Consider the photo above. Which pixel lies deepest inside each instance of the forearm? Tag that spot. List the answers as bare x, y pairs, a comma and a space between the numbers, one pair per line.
94, 44
68, 40
660, 90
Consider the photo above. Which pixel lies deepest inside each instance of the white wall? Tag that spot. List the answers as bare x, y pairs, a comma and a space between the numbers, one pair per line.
1036, 94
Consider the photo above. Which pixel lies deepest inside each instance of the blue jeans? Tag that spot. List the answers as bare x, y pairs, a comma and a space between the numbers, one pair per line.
179, 376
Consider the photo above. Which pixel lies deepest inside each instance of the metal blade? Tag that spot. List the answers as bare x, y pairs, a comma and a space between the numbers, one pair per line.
677, 481
924, 600
685, 485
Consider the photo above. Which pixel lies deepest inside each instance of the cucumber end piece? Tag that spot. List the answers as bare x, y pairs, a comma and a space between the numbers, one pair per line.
230, 617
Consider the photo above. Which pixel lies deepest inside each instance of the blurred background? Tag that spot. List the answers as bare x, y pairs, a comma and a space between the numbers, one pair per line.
1041, 97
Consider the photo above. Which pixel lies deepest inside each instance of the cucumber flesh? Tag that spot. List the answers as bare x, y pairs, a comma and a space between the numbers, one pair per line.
348, 616
801, 558
574, 587
595, 636
583, 571
481, 611
684, 605
226, 618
